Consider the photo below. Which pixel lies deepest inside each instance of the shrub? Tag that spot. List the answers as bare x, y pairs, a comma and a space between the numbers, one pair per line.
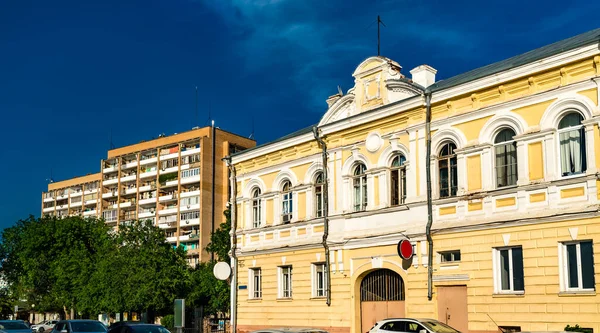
168, 321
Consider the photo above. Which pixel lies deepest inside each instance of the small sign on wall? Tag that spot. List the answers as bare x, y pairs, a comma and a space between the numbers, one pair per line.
242, 287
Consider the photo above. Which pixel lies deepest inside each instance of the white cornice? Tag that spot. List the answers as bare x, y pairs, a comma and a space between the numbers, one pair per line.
511, 74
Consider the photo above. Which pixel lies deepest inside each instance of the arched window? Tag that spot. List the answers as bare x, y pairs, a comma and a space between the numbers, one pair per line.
319, 185
287, 203
398, 180
448, 172
572, 144
505, 147
256, 208
359, 182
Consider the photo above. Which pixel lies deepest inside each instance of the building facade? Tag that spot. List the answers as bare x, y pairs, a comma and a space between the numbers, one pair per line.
515, 150
168, 180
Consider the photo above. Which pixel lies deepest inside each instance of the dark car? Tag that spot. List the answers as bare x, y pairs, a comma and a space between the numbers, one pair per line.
118, 324
137, 327
14, 326
290, 330
79, 326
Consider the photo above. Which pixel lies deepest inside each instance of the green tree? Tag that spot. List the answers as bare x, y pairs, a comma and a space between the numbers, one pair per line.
206, 290
6, 303
47, 261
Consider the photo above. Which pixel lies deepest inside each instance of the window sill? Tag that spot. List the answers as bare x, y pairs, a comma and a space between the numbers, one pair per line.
576, 293
318, 298
286, 299
254, 300
509, 295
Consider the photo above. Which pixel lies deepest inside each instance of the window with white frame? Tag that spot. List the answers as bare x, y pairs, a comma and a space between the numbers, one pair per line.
577, 266
571, 136
449, 256
190, 173
256, 208
255, 282
508, 270
359, 181
109, 215
448, 171
319, 283
319, 185
189, 215
505, 148
285, 282
190, 201
287, 202
398, 180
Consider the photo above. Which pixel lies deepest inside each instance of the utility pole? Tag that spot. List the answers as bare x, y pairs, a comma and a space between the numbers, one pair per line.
379, 21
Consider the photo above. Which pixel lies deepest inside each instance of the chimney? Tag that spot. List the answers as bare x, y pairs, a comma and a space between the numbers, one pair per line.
424, 75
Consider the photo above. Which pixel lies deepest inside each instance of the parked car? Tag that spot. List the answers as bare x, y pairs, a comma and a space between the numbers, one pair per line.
118, 324
290, 330
137, 327
409, 325
14, 326
44, 326
79, 326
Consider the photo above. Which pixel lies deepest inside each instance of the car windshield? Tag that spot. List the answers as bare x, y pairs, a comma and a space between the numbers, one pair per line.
148, 329
87, 326
438, 327
13, 325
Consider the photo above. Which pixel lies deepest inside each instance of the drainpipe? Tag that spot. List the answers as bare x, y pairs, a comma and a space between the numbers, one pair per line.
212, 210
429, 201
233, 218
325, 213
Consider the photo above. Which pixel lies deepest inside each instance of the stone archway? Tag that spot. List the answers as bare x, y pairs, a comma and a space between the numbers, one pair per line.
381, 296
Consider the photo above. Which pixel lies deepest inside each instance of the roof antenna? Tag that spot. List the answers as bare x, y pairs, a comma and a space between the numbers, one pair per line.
51, 179
209, 113
378, 34
251, 137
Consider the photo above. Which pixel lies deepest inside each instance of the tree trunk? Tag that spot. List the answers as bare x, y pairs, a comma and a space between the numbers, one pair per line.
72, 313
66, 313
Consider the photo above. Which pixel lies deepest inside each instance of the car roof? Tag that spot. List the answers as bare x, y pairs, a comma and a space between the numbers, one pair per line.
290, 329
12, 320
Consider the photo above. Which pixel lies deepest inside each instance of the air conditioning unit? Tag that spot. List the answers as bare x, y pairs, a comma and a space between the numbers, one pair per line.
187, 222
188, 206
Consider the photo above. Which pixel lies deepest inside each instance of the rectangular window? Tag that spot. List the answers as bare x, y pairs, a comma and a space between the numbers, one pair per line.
190, 215
508, 270
285, 282
319, 282
450, 256
190, 173
578, 266
109, 215
255, 282
190, 201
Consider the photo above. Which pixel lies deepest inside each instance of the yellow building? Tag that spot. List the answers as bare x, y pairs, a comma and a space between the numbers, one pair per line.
168, 180
515, 150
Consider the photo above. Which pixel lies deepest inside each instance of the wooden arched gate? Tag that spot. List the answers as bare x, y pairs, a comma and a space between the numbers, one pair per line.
381, 297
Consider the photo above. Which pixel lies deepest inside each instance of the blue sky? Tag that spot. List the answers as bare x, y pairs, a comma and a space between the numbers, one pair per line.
73, 71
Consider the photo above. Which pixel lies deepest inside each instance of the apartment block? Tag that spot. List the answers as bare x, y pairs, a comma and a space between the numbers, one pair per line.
179, 182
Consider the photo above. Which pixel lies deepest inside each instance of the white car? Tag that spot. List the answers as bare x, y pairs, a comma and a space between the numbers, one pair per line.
409, 325
44, 326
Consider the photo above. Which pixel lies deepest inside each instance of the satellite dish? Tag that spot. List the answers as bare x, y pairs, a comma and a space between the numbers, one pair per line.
222, 270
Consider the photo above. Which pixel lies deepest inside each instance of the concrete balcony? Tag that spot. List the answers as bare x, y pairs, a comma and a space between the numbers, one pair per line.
110, 169
75, 204
168, 197
148, 174
188, 180
190, 151
50, 199
62, 196
147, 188
132, 190
169, 170
186, 208
167, 225
129, 165
172, 239
91, 202
169, 156
89, 213
190, 222
147, 201
92, 191
76, 194
48, 209
189, 194
146, 214
168, 211
109, 194
126, 204
129, 178
149, 161
110, 181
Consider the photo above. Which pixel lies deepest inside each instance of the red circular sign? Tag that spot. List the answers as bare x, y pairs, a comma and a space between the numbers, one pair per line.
405, 249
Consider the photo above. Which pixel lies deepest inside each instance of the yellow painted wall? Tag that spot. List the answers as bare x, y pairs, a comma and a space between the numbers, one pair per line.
541, 308
572, 192
472, 128
376, 190
536, 161
537, 197
506, 202
300, 171
597, 145
301, 206
474, 206
474, 172
270, 212
533, 113
448, 210
591, 94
